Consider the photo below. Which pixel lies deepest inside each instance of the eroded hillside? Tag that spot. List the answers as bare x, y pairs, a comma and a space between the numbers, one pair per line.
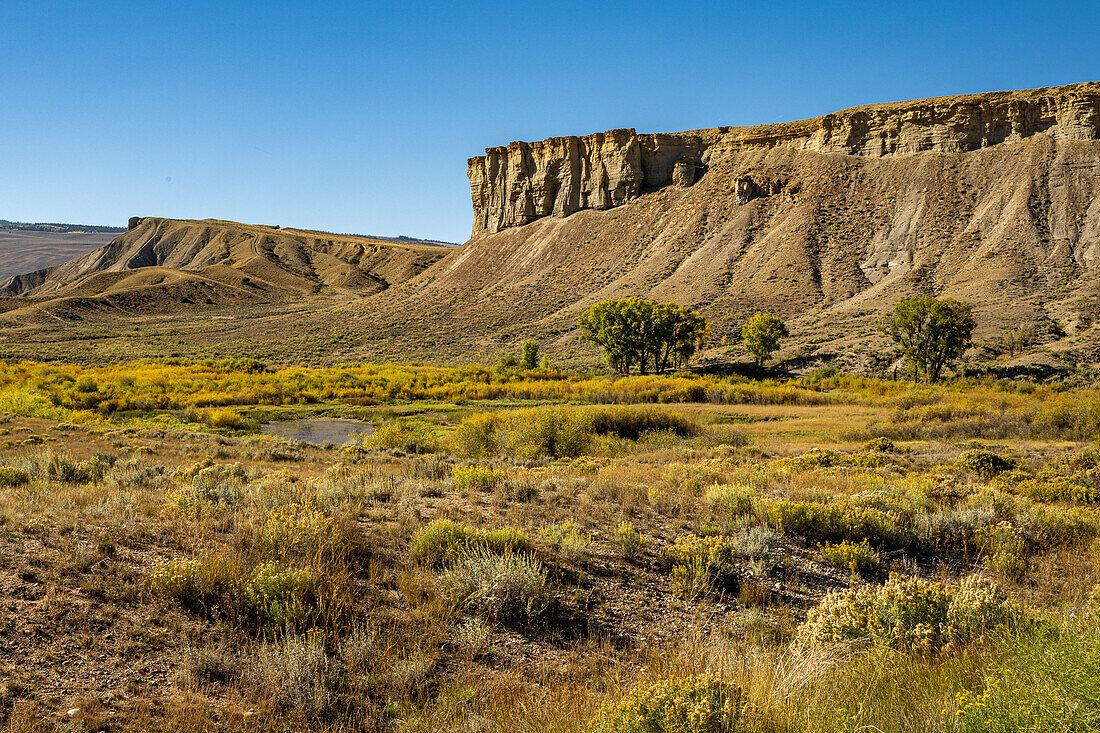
993, 199
161, 264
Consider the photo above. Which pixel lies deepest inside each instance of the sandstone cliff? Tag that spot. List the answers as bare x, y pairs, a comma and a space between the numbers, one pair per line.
993, 199
515, 185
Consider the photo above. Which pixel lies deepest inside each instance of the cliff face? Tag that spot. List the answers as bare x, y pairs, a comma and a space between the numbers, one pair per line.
515, 185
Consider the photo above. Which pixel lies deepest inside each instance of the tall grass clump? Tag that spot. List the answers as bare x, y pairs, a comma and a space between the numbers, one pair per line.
501, 586
443, 541
60, 467
561, 432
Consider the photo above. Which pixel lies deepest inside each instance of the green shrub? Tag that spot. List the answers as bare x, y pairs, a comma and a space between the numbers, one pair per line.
86, 385
10, 476
278, 598
816, 458
561, 432
443, 541
983, 462
733, 500
697, 704
403, 436
477, 478
530, 358
567, 539
908, 614
857, 559
880, 445
1049, 681
631, 422
833, 522
504, 586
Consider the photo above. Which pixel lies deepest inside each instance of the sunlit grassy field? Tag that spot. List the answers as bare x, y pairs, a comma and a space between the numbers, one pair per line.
509, 550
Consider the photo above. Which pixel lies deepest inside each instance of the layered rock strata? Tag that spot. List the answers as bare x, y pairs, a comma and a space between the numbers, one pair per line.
515, 185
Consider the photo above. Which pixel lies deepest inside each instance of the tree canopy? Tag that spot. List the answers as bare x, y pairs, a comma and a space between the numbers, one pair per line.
931, 332
644, 333
762, 334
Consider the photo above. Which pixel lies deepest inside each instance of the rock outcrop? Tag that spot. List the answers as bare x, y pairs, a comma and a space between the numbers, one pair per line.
515, 185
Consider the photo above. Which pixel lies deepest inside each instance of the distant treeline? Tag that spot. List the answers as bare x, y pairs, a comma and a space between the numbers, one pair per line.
52, 227
403, 239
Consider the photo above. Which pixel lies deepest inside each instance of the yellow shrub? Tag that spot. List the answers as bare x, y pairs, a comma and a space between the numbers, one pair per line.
479, 478
700, 564
698, 704
908, 613
300, 529
856, 559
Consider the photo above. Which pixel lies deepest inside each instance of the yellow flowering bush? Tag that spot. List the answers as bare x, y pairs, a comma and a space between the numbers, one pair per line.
479, 478
855, 558
837, 520
1058, 488
298, 529
697, 704
192, 582
631, 543
10, 476
700, 564
908, 613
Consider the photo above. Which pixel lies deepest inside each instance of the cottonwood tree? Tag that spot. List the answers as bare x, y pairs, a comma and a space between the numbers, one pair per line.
530, 358
931, 332
644, 333
762, 334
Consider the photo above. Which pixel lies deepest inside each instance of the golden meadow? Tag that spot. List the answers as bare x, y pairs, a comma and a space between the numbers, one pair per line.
989, 408
517, 550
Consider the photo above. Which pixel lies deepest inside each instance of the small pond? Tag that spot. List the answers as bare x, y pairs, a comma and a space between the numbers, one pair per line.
317, 430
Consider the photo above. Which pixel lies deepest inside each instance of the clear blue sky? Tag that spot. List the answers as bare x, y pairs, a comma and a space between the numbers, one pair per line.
359, 117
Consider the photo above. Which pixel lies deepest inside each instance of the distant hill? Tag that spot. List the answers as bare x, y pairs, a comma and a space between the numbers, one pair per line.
993, 199
26, 250
60, 228
160, 264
